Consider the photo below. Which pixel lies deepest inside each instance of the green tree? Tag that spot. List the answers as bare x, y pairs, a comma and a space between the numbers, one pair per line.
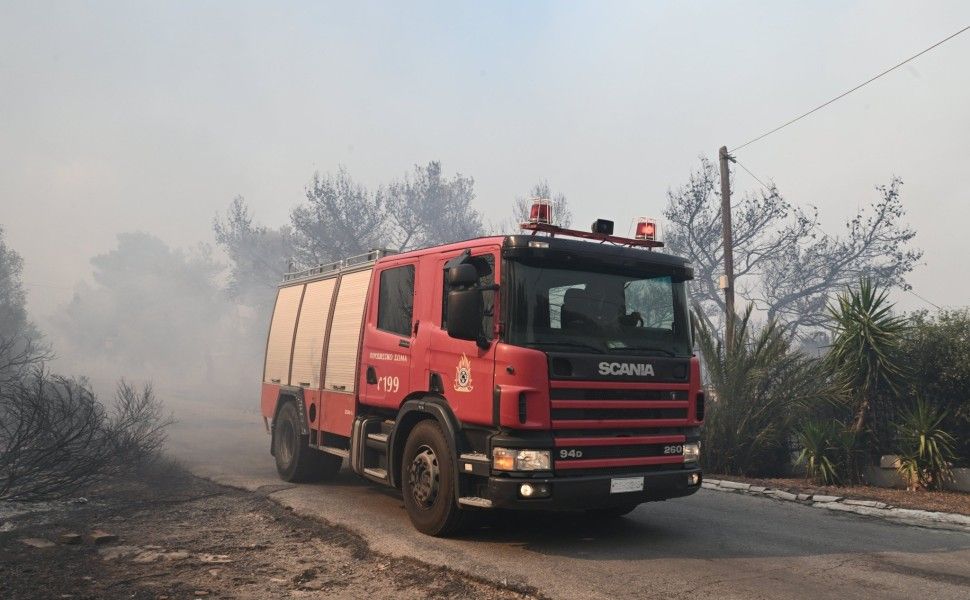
258, 255
13, 298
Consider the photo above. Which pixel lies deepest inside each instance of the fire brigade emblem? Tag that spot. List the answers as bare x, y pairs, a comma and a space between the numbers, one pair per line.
463, 375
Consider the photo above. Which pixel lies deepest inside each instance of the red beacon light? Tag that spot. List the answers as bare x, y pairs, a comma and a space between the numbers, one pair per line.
541, 211
646, 229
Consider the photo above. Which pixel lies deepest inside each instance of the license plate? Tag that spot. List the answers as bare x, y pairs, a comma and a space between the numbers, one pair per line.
619, 485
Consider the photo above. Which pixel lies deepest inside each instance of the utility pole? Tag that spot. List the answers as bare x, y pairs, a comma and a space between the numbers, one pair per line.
727, 280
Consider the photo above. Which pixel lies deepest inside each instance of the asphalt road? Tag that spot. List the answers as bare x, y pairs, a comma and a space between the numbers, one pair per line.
710, 545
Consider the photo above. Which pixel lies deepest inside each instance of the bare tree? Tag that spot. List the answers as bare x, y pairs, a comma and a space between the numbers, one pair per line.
18, 355
138, 424
53, 439
56, 437
785, 265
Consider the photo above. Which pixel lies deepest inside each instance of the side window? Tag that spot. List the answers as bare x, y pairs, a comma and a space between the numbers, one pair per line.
485, 265
395, 300
653, 302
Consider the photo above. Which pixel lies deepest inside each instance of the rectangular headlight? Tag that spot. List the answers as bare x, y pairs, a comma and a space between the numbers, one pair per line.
513, 459
692, 452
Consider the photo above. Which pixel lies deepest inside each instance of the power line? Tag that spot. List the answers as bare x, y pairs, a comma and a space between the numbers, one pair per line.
746, 170
933, 304
844, 94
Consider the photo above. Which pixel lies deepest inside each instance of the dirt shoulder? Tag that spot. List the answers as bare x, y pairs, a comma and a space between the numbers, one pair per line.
171, 535
950, 502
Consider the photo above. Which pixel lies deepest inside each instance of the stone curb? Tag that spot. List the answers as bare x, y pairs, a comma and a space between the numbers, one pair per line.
869, 508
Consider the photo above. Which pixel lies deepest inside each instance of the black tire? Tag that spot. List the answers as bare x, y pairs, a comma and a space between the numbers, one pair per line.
296, 461
612, 512
428, 481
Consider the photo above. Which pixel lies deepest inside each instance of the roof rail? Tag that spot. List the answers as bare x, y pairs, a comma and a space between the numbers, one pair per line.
338, 265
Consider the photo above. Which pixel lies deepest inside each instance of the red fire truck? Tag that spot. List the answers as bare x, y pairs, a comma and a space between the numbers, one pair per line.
547, 370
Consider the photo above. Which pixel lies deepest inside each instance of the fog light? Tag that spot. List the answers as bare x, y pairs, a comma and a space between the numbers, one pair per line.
535, 490
693, 479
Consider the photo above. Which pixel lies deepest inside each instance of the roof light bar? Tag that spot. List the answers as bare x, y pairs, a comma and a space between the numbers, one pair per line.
541, 211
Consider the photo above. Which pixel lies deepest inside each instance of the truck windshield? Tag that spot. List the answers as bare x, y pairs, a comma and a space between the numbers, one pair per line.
598, 311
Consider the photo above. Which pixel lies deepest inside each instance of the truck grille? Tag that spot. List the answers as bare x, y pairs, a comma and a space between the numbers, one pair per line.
617, 427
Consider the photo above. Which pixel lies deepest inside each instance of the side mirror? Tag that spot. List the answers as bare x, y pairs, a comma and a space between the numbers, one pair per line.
463, 275
465, 312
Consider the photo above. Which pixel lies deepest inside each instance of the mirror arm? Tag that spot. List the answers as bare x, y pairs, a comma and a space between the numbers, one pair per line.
483, 342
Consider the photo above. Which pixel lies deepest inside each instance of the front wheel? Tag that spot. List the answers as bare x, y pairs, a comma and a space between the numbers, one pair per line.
296, 461
428, 481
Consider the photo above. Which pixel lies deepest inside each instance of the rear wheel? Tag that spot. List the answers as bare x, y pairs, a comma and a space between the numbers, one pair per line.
296, 461
428, 481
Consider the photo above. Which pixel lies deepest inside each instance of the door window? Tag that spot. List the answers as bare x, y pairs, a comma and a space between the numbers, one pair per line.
395, 301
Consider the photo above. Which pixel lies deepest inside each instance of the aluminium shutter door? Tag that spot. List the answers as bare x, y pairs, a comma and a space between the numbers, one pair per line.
277, 367
344, 346
310, 331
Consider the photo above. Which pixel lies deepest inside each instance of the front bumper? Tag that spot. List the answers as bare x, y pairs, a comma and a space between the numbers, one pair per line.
591, 491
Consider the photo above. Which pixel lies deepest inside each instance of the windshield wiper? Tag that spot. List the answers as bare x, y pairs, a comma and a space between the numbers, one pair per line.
597, 349
662, 351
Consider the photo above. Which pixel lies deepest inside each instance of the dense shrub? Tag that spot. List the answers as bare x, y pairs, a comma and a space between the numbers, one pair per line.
937, 351
760, 387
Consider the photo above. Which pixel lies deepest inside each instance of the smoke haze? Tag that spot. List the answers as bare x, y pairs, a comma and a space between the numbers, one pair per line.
119, 118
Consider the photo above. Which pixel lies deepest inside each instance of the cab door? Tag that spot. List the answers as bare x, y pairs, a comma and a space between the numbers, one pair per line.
462, 370
388, 337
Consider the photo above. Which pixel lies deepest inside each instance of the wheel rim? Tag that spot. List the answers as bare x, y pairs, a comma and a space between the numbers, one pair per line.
424, 477
285, 442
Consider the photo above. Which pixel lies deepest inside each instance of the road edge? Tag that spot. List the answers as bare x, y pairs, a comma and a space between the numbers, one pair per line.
868, 508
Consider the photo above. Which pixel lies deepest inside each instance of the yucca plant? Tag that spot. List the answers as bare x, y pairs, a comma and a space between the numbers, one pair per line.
865, 348
925, 449
820, 453
829, 451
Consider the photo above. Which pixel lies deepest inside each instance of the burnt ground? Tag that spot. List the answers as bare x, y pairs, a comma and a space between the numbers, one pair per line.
179, 536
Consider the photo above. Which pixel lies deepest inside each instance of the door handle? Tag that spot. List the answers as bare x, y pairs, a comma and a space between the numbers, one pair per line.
371, 375
404, 343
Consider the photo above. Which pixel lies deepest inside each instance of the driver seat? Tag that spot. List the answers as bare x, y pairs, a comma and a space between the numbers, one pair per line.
577, 309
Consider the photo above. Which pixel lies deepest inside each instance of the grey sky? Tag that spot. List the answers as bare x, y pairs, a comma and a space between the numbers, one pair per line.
151, 116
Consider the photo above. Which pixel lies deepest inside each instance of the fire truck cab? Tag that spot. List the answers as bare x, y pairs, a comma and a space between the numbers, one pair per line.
534, 372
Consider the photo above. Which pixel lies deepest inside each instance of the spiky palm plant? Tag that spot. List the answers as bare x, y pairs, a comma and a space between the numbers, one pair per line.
925, 449
828, 451
865, 348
